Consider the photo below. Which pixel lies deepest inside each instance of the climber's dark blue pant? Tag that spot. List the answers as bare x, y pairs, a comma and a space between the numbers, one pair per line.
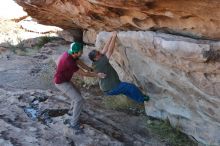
129, 90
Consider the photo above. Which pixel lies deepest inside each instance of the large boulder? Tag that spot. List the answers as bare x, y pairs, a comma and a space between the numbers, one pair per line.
180, 74
197, 18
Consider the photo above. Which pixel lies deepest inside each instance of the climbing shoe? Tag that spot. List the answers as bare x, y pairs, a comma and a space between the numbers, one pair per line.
78, 129
146, 98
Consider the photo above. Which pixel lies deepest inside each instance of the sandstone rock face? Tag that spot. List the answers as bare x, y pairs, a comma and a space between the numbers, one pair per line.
18, 129
198, 18
182, 75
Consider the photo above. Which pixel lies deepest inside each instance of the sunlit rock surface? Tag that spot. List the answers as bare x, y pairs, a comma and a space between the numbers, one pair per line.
181, 75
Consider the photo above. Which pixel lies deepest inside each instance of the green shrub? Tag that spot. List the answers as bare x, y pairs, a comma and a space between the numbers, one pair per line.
43, 40
172, 136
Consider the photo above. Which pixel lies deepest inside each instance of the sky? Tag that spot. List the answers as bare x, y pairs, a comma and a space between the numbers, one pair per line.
9, 9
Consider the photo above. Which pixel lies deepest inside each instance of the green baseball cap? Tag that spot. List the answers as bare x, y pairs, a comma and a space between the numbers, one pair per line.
75, 47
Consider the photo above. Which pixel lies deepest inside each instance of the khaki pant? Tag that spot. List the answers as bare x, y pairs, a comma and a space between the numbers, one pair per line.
73, 93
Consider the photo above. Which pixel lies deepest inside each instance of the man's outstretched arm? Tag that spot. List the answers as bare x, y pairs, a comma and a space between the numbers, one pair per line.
111, 45
105, 48
83, 65
91, 74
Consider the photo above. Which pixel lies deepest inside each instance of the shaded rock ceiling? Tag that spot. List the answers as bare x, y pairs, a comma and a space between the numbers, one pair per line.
197, 18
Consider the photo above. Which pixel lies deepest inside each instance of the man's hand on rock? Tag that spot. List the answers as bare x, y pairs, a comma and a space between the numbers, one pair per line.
101, 75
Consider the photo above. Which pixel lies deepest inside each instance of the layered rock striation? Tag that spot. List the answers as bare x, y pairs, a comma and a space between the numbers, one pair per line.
181, 75
197, 18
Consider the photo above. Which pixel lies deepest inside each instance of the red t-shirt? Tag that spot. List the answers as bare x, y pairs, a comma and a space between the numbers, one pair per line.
65, 69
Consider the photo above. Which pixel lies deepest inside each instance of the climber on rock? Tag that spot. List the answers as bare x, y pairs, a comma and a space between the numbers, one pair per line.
69, 63
111, 84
